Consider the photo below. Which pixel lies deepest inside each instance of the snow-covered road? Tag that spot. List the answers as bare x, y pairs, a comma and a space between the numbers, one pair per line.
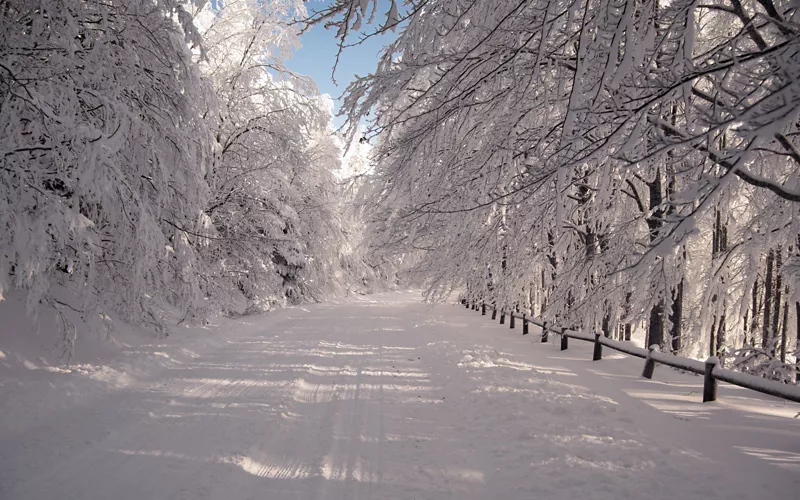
385, 398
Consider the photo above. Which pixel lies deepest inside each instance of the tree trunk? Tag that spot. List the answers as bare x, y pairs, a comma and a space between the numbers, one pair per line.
783, 329
676, 308
712, 342
543, 295
676, 317
606, 325
655, 330
754, 318
797, 338
768, 292
719, 247
720, 335
553, 260
626, 312
745, 326
776, 313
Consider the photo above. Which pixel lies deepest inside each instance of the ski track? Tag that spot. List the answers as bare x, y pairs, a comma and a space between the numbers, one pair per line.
386, 398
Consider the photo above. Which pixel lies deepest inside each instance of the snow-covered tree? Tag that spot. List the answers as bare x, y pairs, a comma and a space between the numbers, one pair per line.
274, 228
103, 154
599, 163
156, 159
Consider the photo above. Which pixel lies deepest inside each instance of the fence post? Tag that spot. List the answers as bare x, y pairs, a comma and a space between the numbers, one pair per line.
544, 332
709, 382
564, 343
597, 355
649, 363
494, 313
511, 320
502, 318
524, 324
483, 309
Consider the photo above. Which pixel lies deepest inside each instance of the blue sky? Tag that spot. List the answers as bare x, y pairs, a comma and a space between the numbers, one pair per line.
318, 54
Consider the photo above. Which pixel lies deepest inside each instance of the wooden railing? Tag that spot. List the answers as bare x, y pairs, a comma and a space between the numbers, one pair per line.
709, 369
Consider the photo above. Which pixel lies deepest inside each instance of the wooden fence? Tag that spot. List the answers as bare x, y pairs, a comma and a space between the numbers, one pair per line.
709, 369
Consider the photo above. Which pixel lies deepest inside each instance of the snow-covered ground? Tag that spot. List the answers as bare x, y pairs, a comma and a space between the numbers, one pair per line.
381, 398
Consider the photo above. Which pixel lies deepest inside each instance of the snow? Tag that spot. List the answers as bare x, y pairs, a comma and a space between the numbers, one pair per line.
692, 365
625, 347
380, 398
789, 392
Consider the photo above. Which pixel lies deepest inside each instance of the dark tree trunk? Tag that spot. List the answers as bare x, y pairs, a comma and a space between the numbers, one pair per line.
783, 329
543, 301
626, 311
797, 337
746, 326
768, 292
754, 318
553, 260
676, 307
655, 330
712, 343
776, 312
719, 247
676, 317
606, 323
720, 334
655, 221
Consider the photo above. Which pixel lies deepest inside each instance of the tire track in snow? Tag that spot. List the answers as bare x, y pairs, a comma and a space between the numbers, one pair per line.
305, 419
337, 464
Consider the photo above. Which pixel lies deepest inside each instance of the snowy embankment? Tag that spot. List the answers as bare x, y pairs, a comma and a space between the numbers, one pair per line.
382, 398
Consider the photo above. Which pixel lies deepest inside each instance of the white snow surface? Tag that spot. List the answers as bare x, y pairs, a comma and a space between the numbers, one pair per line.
381, 398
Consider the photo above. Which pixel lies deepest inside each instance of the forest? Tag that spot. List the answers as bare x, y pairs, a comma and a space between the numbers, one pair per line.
613, 166
158, 153
622, 166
